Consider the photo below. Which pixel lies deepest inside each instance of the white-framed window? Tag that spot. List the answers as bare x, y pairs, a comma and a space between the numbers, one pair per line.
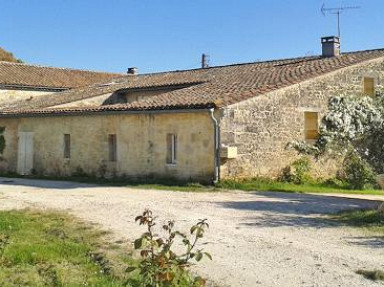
311, 126
171, 148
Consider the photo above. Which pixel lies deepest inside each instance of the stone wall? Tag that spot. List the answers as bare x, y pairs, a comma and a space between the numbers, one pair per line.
141, 144
118, 97
261, 127
89, 102
9, 96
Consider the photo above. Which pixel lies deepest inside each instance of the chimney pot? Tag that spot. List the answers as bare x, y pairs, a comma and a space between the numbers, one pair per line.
133, 71
330, 46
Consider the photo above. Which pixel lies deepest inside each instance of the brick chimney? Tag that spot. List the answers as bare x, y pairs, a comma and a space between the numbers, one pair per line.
133, 71
330, 46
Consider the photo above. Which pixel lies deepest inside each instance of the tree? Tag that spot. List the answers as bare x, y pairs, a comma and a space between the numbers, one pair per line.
8, 57
353, 129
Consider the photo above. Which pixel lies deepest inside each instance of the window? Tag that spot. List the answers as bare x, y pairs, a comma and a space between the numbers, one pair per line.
369, 87
311, 125
171, 148
67, 146
112, 147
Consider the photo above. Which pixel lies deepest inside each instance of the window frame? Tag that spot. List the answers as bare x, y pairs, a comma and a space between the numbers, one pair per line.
369, 91
67, 146
171, 156
308, 133
112, 147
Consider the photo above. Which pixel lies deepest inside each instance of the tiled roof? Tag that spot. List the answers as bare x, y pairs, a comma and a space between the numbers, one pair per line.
124, 82
216, 86
40, 77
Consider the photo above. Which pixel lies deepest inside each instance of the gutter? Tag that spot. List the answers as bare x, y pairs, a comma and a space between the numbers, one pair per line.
216, 176
64, 113
33, 88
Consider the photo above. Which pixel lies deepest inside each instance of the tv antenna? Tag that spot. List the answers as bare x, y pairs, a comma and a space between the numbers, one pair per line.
337, 11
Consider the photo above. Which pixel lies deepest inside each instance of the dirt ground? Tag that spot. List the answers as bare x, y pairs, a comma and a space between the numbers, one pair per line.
256, 239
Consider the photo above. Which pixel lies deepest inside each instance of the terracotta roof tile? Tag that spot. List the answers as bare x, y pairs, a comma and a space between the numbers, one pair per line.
33, 76
216, 86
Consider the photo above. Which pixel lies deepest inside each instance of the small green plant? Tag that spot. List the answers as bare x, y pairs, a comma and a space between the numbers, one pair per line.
297, 172
357, 173
160, 266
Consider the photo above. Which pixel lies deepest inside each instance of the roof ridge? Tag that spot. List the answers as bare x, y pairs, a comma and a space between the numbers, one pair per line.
58, 68
363, 51
231, 65
303, 58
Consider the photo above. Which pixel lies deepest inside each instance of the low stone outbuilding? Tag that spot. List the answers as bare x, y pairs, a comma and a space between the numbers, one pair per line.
19, 81
197, 125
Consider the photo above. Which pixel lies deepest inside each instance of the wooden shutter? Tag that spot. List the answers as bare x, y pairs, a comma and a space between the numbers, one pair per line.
25, 153
311, 125
369, 86
171, 148
112, 147
67, 145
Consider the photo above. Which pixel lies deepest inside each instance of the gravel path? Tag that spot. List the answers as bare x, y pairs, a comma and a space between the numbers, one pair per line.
256, 239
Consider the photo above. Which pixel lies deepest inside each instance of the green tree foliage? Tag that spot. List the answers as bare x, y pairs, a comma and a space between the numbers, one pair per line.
351, 125
353, 128
357, 172
8, 57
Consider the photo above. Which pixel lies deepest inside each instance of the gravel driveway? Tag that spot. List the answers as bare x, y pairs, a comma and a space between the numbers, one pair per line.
256, 239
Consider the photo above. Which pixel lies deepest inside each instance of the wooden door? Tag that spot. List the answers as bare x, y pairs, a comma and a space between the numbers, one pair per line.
25, 153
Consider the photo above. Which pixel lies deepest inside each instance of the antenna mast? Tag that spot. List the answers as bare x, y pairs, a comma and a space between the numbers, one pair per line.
337, 11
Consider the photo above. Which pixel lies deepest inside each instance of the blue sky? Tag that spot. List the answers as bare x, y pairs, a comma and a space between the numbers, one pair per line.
159, 35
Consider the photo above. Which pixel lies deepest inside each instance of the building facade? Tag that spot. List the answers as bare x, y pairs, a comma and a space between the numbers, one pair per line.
195, 125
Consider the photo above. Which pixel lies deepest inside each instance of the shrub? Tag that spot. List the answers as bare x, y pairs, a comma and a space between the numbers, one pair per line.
357, 173
159, 265
79, 172
297, 172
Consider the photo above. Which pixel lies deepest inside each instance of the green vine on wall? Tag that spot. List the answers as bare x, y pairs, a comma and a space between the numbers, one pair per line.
2, 140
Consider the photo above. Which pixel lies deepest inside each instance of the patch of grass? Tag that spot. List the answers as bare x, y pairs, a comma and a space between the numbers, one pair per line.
54, 249
252, 184
49, 249
372, 275
264, 184
371, 220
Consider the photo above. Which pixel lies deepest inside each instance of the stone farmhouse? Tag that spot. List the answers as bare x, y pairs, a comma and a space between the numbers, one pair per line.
196, 125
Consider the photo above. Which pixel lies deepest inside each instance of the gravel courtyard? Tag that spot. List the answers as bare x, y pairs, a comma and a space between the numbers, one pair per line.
256, 239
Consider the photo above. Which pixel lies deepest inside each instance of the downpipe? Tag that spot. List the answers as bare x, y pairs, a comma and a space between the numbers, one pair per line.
216, 174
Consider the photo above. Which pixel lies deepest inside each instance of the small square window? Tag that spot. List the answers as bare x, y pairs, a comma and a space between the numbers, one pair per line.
112, 143
369, 87
171, 148
67, 146
311, 126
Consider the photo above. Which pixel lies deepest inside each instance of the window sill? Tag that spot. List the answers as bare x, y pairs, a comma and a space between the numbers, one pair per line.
171, 164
